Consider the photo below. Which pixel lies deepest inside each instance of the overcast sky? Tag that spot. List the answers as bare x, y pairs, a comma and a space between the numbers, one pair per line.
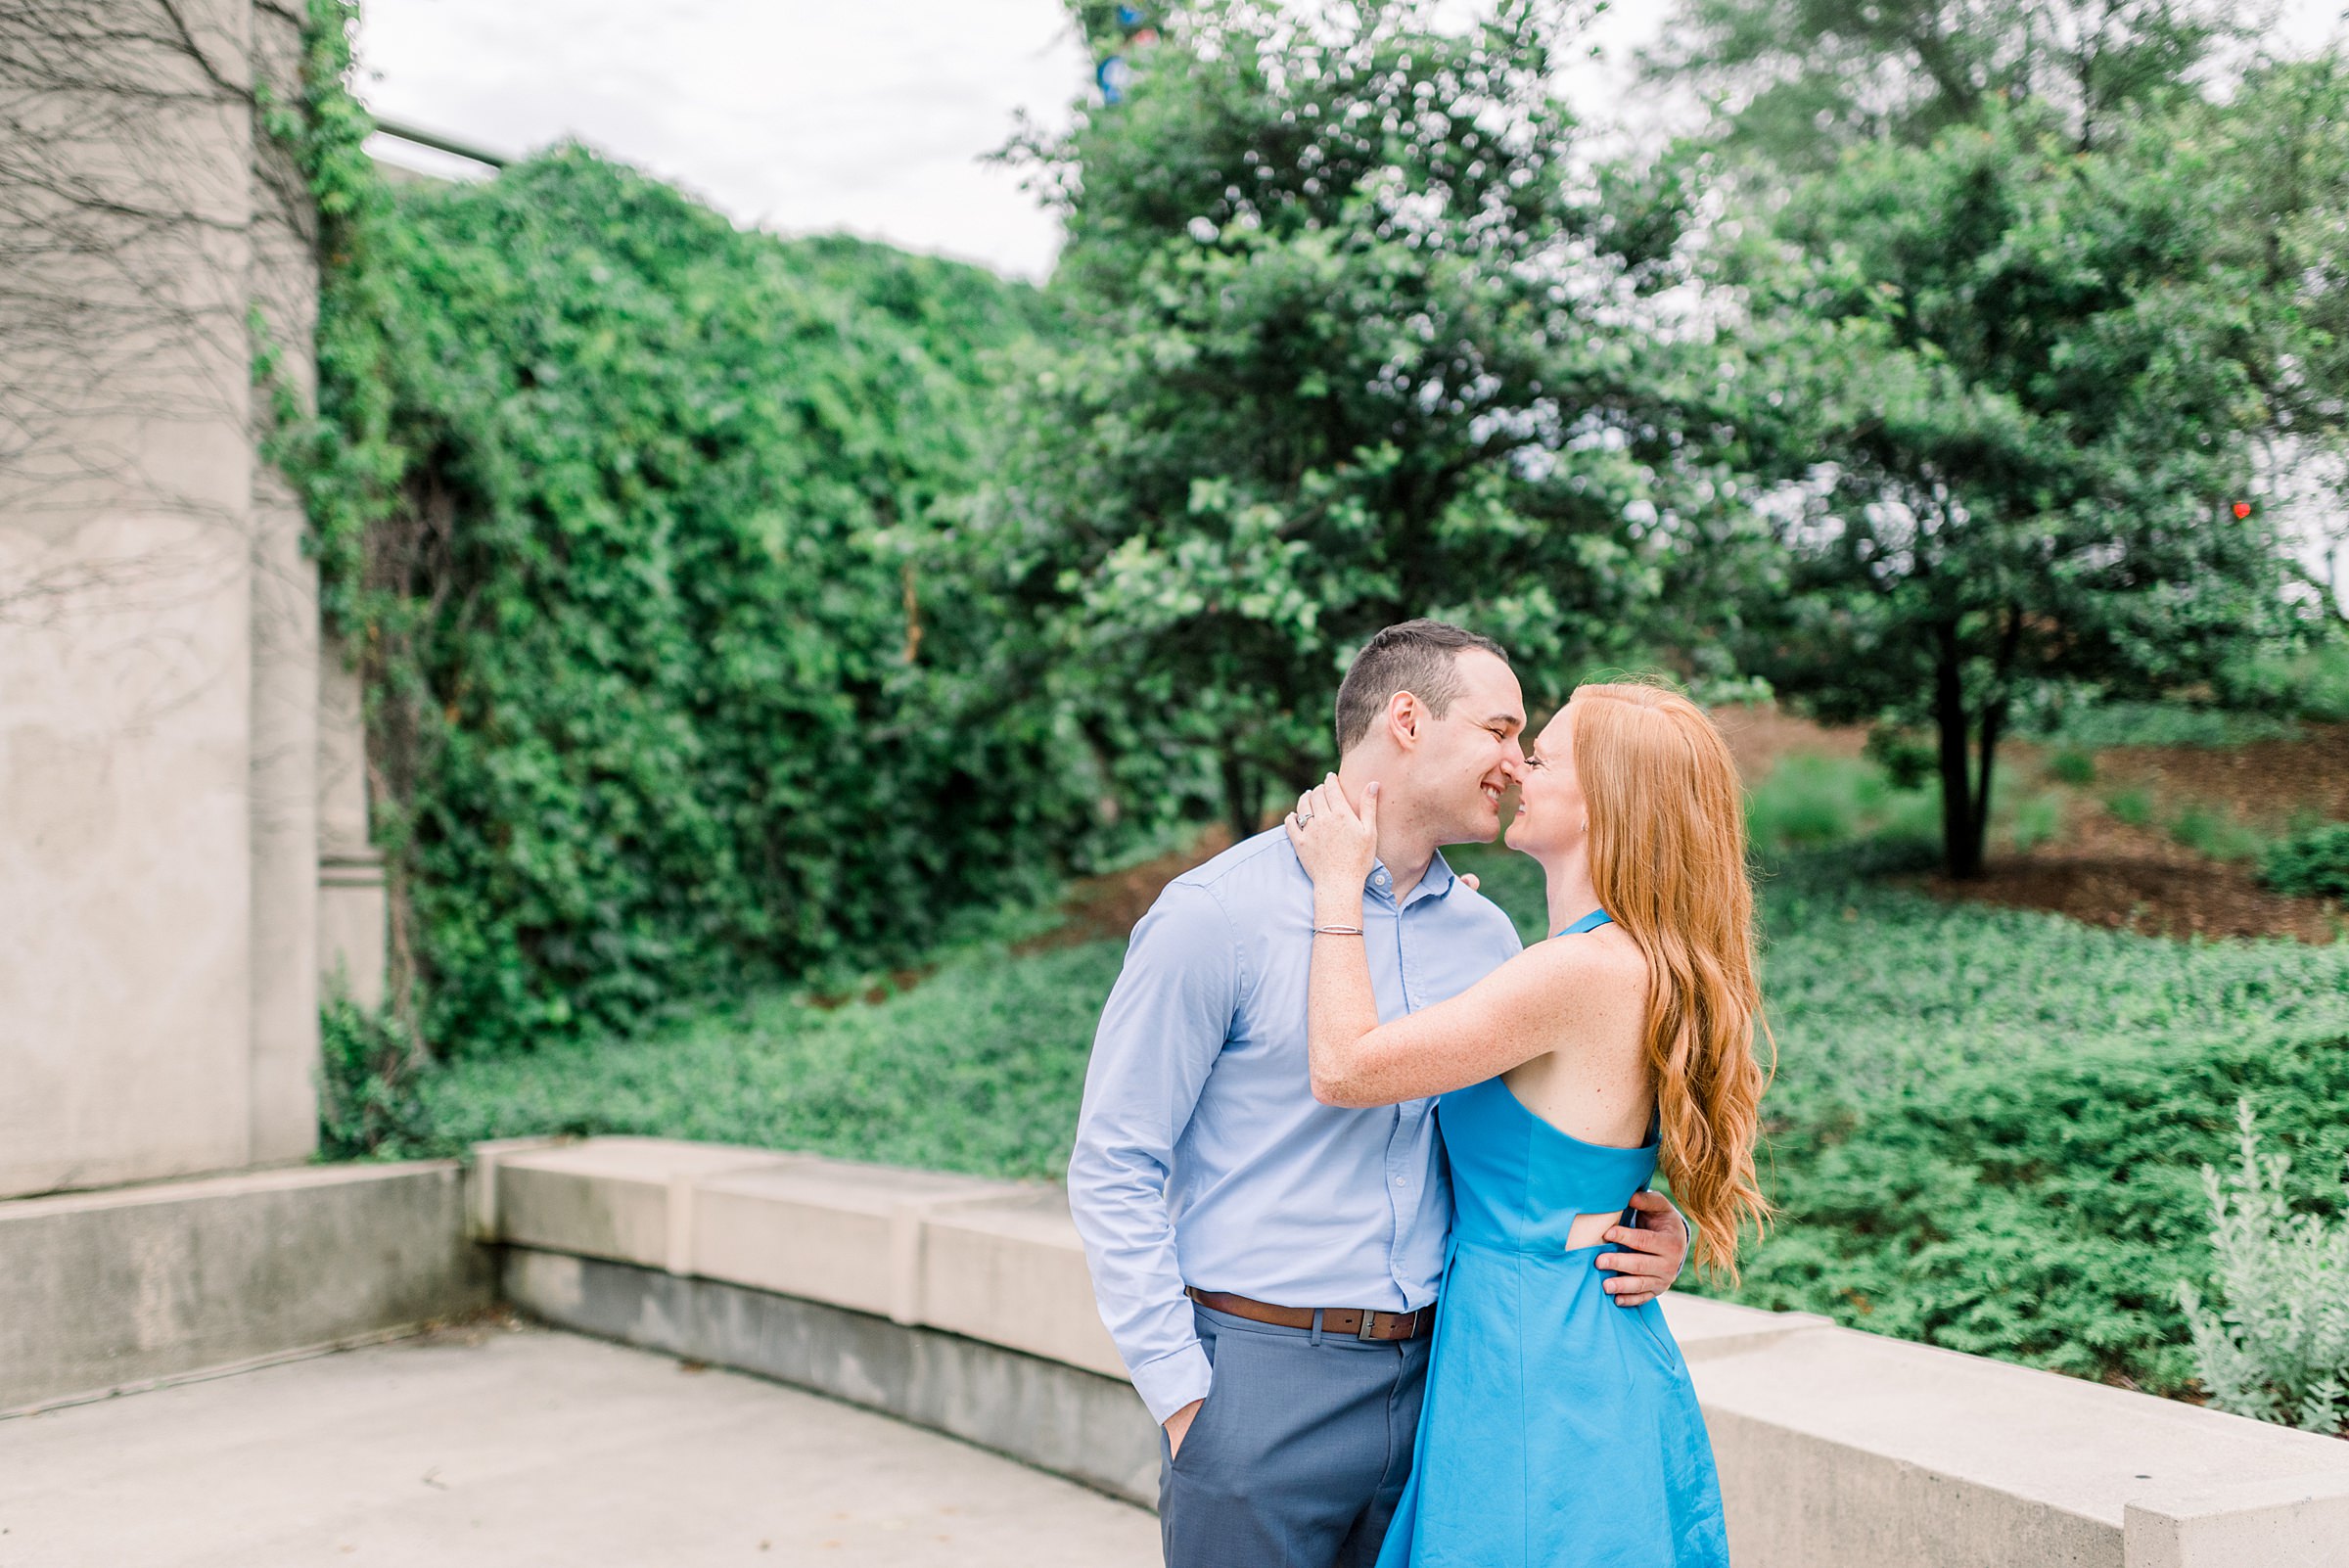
806, 116
798, 115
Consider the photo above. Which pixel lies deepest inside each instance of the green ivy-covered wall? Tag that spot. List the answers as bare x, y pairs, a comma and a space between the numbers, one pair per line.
631, 519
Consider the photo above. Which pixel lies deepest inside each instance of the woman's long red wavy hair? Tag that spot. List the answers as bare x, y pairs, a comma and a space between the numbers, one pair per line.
1667, 861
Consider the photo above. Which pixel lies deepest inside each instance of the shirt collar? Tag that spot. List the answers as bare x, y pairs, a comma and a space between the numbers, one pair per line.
1436, 884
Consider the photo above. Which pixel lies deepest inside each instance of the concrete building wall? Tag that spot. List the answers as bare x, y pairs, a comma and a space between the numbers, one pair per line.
160, 735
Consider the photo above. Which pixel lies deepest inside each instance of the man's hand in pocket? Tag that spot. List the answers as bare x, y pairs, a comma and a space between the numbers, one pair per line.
1179, 1423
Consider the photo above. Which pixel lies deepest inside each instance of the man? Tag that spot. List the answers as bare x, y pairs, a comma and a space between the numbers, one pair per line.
1266, 1264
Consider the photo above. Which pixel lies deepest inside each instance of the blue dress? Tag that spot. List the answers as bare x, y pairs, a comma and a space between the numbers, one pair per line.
1559, 1429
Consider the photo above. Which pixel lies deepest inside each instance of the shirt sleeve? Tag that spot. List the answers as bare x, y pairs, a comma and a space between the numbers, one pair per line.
1166, 1022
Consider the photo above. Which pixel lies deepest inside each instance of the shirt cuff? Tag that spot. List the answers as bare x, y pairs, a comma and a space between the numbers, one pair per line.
1173, 1380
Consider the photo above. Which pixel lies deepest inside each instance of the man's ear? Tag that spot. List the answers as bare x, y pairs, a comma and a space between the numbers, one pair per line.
1404, 716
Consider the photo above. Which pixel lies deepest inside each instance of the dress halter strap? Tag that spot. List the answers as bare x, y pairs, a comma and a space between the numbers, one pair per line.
1589, 922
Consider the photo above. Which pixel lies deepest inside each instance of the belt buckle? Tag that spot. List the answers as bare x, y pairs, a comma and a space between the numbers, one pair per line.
1369, 1328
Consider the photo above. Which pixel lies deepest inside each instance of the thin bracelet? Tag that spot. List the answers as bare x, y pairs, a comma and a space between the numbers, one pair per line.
1337, 931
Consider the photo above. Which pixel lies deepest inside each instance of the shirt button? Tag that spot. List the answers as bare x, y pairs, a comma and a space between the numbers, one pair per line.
1399, 1181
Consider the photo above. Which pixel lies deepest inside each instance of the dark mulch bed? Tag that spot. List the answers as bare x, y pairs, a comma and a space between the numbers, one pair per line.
2107, 873
1103, 908
2265, 782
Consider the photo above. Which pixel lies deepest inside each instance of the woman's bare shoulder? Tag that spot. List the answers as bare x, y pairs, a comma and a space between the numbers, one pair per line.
1592, 997
1601, 965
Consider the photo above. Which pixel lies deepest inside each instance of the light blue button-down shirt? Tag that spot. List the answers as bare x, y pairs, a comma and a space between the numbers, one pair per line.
1202, 1157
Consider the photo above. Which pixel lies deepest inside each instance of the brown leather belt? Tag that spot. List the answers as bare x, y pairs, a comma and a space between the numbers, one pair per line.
1348, 1323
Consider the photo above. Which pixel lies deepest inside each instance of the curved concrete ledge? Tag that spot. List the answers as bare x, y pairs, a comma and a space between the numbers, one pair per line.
952, 1301
1044, 1413
964, 1304
105, 1291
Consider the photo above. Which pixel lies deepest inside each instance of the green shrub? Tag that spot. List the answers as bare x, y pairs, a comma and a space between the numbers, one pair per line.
2312, 684
2215, 832
2132, 806
368, 1101
2275, 1345
1911, 764
2313, 864
1811, 801
2072, 765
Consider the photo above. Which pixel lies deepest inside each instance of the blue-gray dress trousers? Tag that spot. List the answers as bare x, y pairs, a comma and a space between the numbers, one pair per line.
1300, 1452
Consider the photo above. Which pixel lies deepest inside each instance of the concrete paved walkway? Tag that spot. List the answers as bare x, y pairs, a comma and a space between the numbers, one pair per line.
496, 1446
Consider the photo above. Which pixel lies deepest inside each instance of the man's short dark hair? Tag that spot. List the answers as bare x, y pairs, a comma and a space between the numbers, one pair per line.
1420, 656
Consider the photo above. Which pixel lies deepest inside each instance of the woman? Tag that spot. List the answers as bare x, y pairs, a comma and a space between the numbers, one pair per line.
1559, 1429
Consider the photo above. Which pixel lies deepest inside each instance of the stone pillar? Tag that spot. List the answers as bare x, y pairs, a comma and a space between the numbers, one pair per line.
157, 653
284, 651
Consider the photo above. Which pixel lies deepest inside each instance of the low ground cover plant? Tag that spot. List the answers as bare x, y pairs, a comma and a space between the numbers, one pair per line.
978, 1067
1988, 1127
1987, 1130
2134, 723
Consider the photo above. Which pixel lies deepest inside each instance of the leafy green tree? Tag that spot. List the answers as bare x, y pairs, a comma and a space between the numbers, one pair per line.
2006, 394
2279, 220
1346, 346
1797, 78
2030, 317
